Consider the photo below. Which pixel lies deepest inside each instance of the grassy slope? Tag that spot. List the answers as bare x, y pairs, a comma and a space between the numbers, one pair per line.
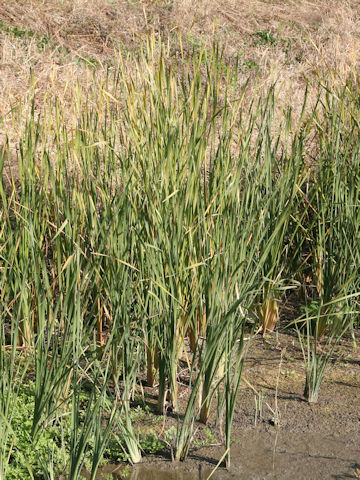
64, 42
284, 40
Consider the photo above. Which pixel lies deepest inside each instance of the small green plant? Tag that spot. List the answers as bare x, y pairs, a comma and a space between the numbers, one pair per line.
41, 41
150, 443
28, 456
258, 399
194, 42
207, 439
265, 37
250, 64
286, 45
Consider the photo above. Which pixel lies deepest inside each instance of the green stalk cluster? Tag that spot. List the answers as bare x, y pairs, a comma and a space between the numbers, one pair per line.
333, 227
151, 232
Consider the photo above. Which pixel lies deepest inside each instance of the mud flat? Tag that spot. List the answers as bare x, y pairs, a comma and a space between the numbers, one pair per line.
310, 442
266, 455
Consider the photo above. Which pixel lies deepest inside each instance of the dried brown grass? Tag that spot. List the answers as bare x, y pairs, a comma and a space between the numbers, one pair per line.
312, 39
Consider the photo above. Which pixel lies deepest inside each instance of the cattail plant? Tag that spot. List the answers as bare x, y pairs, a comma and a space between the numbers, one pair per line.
334, 231
153, 225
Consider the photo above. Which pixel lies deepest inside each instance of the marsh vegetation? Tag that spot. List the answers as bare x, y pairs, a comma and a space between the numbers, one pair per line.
151, 226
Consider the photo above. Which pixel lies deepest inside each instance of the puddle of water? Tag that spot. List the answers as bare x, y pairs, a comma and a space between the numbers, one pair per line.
165, 471
155, 474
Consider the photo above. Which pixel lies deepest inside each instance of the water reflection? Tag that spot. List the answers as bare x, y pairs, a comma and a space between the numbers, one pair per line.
154, 472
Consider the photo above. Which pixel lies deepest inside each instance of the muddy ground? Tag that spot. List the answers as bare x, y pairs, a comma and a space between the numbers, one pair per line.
302, 441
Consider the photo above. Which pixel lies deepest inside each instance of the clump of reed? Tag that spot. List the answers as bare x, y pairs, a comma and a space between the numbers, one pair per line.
153, 232
332, 223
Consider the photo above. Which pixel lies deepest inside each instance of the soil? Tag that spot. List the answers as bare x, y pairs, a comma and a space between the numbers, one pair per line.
310, 441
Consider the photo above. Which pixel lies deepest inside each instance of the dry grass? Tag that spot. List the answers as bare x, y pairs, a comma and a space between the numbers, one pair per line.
277, 40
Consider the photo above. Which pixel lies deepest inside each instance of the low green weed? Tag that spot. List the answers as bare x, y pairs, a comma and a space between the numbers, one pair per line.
207, 438
29, 457
265, 37
41, 41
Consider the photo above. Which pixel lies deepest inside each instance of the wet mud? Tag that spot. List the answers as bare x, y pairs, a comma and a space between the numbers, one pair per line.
264, 455
284, 437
